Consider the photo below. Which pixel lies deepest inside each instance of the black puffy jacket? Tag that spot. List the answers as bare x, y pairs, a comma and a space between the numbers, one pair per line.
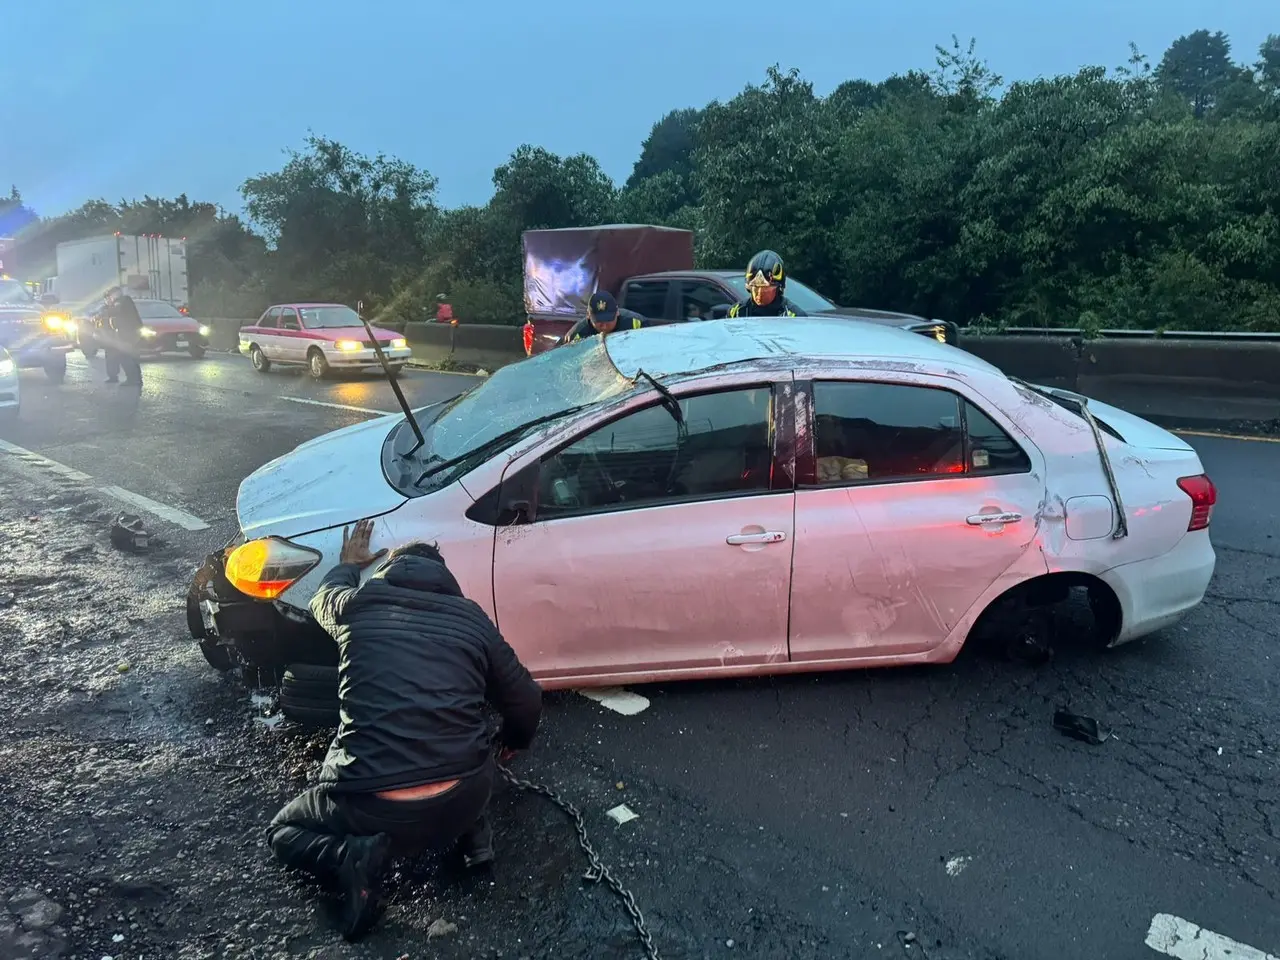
418, 661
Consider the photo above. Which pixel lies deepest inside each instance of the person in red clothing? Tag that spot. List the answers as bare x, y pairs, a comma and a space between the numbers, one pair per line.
444, 312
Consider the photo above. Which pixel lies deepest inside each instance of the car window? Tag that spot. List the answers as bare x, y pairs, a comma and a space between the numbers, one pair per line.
878, 432
804, 299
647, 298
289, 319
269, 319
725, 449
698, 297
991, 449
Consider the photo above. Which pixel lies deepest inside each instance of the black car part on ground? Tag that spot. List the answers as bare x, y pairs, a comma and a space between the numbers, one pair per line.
309, 695
236, 630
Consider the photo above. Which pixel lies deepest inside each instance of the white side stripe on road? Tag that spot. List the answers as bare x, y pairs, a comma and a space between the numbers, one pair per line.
180, 517
1175, 937
338, 406
137, 500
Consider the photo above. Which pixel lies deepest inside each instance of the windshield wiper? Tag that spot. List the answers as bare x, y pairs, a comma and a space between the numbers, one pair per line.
669, 402
395, 384
437, 465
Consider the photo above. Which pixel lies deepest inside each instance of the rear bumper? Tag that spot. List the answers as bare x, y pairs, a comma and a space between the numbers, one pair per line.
253, 631
1158, 592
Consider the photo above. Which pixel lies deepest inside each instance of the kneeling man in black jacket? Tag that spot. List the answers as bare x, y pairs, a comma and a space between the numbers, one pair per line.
411, 767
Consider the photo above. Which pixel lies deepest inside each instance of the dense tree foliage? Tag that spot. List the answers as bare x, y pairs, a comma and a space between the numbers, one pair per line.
1141, 197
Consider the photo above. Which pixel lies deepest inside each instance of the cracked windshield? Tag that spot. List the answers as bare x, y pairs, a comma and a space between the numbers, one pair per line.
804, 506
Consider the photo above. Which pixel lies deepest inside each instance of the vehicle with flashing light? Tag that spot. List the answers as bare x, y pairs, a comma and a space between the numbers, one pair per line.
10, 386
165, 329
35, 333
650, 271
785, 495
323, 337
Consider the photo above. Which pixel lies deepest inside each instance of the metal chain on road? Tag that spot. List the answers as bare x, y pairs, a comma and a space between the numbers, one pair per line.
597, 871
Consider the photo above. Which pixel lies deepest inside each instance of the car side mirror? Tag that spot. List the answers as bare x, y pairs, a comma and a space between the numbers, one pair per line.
518, 502
721, 311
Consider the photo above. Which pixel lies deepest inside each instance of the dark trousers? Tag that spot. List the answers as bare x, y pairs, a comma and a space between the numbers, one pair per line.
310, 831
122, 359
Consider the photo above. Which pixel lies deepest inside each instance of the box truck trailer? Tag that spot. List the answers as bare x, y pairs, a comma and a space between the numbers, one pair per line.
145, 267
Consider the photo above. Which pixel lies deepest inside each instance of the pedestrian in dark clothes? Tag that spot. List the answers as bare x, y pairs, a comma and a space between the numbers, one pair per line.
124, 324
411, 768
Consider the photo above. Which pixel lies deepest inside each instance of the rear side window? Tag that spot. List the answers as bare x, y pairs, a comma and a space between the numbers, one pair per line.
289, 320
882, 432
269, 318
647, 298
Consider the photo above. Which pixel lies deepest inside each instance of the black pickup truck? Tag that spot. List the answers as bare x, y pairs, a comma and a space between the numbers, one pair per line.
678, 295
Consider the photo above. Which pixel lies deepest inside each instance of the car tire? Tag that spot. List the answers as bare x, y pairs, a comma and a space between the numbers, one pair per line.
216, 655
395, 369
56, 369
259, 359
196, 351
309, 695
317, 365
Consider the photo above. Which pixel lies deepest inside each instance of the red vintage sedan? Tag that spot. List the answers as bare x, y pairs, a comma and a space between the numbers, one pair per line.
321, 336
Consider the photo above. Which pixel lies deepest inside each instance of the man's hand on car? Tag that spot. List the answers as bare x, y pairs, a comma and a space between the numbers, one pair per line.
355, 548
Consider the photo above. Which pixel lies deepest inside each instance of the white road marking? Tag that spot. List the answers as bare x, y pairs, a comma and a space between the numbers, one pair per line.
175, 516
1184, 940
618, 700
339, 406
179, 517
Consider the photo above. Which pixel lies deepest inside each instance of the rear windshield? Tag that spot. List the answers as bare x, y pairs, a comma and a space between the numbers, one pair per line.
328, 318
156, 310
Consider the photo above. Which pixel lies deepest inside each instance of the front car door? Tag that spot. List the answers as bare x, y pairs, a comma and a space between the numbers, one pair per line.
913, 500
653, 548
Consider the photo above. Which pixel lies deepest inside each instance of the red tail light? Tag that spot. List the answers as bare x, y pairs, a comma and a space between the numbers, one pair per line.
1203, 496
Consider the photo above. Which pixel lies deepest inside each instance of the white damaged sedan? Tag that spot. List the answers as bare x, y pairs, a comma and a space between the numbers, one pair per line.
733, 498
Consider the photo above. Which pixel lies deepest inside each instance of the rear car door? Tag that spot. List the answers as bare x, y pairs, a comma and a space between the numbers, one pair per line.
699, 297
649, 298
266, 336
652, 547
293, 345
917, 501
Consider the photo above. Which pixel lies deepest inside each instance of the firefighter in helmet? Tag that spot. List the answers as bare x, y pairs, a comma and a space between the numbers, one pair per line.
603, 317
766, 283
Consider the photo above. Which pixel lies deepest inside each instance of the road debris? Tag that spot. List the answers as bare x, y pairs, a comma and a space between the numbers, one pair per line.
1079, 727
956, 865
618, 700
128, 533
441, 928
622, 814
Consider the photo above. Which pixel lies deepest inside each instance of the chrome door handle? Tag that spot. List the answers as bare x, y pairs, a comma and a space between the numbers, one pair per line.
769, 536
980, 518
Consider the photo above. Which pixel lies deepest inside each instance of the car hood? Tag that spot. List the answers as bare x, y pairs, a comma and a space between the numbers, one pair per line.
10, 311
355, 333
335, 478
172, 325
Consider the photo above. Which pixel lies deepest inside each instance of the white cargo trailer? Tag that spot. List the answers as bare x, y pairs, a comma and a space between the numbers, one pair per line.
145, 267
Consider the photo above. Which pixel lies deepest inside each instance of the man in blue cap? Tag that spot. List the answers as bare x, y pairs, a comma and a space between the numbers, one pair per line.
603, 317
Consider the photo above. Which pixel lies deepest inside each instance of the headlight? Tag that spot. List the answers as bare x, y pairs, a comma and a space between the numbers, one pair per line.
7, 367
399, 344
348, 345
267, 568
55, 321
147, 332
204, 331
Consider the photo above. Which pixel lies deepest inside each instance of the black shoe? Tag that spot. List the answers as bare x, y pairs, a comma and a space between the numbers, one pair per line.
360, 877
477, 846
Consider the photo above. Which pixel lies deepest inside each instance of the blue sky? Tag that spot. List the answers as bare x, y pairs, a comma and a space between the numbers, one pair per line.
163, 97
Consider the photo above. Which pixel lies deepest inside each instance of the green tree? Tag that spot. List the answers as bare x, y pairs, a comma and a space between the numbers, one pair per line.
1197, 68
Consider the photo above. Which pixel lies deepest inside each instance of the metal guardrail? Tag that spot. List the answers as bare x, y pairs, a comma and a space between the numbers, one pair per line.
1066, 332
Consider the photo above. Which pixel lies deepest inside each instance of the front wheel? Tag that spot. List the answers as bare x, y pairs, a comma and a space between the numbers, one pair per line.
196, 351
56, 368
317, 365
260, 361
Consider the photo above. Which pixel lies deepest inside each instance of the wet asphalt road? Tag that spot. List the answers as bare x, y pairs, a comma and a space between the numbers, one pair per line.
859, 808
